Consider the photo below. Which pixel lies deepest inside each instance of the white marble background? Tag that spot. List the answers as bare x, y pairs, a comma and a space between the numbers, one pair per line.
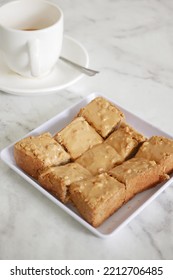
131, 43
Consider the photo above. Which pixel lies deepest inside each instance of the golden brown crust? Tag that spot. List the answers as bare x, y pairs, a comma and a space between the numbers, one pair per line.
34, 153
99, 158
97, 198
95, 193
138, 174
102, 115
27, 163
57, 179
125, 140
160, 149
78, 137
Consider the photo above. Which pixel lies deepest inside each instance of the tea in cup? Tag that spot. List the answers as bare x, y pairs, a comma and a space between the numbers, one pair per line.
31, 36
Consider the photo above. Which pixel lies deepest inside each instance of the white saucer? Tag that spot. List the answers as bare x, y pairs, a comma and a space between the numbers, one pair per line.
60, 78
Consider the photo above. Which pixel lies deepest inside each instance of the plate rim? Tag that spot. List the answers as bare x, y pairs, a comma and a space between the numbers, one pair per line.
34, 183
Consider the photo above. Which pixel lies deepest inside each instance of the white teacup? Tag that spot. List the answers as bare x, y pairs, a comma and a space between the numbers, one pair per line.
31, 35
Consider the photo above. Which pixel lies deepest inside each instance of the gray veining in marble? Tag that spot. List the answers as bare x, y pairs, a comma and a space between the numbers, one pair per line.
131, 43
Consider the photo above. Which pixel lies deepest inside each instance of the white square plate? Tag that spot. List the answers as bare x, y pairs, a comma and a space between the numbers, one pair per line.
128, 211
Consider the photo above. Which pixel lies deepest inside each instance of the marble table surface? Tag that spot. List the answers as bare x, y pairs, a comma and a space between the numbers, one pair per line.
131, 43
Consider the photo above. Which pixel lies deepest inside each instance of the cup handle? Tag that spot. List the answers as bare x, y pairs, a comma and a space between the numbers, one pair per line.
34, 57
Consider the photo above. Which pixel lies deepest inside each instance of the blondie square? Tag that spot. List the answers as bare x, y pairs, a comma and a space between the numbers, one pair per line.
57, 179
34, 153
125, 140
97, 198
78, 137
138, 174
99, 158
160, 149
102, 115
